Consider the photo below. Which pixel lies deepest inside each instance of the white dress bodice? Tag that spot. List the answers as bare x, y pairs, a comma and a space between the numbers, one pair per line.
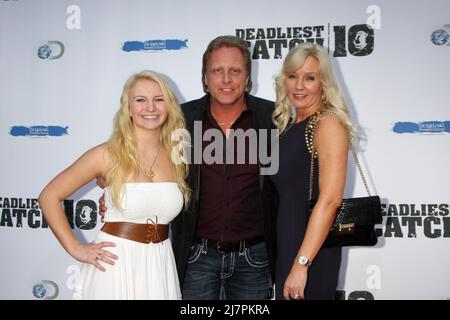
145, 200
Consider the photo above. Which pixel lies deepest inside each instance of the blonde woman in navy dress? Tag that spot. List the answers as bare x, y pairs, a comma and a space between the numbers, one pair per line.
306, 87
132, 256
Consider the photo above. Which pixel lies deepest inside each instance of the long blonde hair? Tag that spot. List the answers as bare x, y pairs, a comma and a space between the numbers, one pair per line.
122, 145
332, 98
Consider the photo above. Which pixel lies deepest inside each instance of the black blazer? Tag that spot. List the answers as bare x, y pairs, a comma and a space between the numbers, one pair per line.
185, 224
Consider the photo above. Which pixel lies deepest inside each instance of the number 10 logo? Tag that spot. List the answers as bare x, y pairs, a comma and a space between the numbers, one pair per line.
359, 40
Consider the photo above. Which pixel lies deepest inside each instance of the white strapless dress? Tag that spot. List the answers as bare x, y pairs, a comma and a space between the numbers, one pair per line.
142, 271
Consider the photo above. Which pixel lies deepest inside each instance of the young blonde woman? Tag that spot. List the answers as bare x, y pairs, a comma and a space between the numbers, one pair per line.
132, 257
306, 84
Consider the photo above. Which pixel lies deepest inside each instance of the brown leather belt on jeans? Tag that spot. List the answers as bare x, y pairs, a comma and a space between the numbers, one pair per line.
226, 247
140, 232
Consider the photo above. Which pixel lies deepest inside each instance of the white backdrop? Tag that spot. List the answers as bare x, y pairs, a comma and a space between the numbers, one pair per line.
63, 64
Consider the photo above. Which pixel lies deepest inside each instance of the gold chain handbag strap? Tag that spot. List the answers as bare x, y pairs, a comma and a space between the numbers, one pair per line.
309, 137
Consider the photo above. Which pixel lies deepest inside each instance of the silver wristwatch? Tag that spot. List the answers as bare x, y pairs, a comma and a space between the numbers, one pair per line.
304, 261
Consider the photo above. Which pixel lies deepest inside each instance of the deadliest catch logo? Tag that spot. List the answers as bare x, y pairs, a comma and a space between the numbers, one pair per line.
21, 212
410, 220
154, 45
275, 42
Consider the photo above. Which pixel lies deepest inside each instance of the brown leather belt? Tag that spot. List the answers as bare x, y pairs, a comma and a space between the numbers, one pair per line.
140, 232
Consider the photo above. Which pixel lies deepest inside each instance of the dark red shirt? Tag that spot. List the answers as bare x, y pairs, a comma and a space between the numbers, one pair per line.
230, 205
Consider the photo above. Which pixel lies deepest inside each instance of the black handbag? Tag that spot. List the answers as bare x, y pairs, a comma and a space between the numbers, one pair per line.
355, 220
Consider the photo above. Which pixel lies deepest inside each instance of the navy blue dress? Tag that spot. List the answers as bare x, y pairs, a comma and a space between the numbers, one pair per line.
292, 184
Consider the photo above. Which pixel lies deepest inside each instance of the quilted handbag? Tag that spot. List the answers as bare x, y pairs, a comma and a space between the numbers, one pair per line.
355, 220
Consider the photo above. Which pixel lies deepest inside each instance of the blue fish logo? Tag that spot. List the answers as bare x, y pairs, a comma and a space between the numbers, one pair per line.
38, 131
154, 45
422, 127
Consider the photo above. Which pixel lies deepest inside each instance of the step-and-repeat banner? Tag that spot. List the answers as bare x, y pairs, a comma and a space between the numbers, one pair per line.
63, 64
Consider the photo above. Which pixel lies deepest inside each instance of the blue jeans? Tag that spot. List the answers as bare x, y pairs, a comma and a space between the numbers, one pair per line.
237, 275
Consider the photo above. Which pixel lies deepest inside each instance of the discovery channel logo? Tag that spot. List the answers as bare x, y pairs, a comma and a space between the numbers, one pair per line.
51, 50
38, 131
441, 37
154, 45
424, 127
46, 289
